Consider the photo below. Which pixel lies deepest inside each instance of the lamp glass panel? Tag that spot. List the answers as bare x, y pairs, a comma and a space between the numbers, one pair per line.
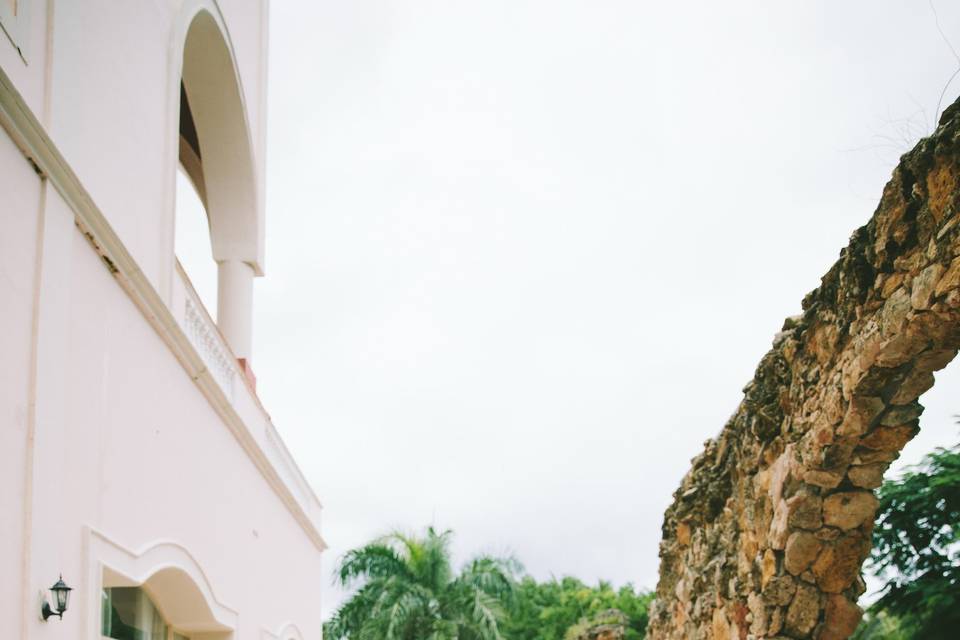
63, 599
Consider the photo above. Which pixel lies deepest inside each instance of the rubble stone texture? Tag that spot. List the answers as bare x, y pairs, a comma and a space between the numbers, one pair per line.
768, 530
607, 625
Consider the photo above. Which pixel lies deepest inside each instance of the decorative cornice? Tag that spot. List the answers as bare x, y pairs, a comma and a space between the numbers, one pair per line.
29, 135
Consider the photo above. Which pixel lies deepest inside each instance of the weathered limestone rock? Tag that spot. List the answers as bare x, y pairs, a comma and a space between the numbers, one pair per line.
823, 479
607, 625
860, 416
913, 387
950, 280
898, 415
779, 591
802, 549
868, 476
838, 565
804, 511
827, 533
721, 626
769, 528
870, 456
803, 613
768, 567
776, 622
840, 619
849, 509
924, 285
889, 438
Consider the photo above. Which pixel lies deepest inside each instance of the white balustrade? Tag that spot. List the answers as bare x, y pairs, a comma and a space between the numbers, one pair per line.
205, 337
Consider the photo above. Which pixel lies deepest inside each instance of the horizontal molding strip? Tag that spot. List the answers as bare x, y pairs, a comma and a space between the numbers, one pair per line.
30, 136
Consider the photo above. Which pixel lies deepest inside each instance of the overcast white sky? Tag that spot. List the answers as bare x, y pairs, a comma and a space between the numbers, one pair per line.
523, 256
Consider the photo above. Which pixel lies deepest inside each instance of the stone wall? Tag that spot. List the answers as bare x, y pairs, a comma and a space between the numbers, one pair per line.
607, 625
768, 530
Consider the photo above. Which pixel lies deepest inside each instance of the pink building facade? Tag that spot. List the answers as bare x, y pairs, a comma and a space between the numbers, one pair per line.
135, 458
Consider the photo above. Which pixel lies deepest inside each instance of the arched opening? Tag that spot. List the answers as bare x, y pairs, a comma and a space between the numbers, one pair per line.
161, 586
769, 529
908, 576
938, 423
218, 176
192, 242
167, 605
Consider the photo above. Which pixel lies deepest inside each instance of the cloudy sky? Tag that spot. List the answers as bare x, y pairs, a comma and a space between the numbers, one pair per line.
523, 256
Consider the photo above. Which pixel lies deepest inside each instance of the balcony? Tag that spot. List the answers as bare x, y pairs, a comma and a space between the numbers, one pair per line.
203, 334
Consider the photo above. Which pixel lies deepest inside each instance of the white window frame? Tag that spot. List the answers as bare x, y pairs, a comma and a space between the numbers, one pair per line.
15, 23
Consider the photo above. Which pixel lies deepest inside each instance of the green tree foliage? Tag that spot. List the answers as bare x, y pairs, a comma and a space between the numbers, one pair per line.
407, 590
917, 549
879, 625
548, 610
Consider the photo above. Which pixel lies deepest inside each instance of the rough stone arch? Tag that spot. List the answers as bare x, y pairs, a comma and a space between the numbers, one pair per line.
768, 530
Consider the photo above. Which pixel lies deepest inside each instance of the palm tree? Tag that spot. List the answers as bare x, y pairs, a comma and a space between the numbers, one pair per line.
407, 591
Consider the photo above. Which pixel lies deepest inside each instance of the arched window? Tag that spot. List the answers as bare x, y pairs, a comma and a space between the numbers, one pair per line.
215, 157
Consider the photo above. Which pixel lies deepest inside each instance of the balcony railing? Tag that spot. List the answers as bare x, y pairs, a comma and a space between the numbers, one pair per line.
203, 334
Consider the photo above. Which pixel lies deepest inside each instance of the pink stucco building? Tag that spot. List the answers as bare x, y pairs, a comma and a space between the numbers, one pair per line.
135, 458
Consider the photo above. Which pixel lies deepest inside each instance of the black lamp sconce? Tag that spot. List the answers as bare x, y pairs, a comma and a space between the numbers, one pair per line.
61, 595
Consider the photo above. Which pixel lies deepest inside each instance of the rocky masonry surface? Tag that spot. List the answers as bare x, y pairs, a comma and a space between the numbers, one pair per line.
608, 625
768, 530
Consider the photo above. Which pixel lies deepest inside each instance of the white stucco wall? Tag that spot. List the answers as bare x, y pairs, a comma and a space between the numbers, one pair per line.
115, 451
18, 245
109, 103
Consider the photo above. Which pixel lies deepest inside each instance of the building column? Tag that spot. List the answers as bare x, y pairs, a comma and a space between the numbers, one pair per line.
235, 305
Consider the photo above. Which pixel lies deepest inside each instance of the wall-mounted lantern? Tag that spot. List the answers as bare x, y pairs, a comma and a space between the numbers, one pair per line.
61, 595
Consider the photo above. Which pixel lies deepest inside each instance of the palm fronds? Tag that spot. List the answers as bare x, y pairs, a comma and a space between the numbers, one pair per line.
407, 590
